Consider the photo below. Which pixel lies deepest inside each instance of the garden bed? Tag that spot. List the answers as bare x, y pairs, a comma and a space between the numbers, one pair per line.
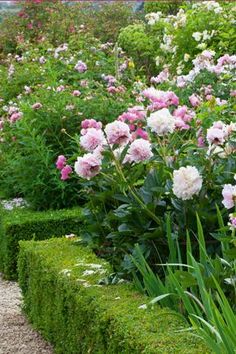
63, 299
22, 224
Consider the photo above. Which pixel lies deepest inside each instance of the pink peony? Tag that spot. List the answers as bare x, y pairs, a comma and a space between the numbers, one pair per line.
229, 195
90, 123
81, 67
215, 136
88, 166
37, 105
139, 150
61, 161
117, 133
15, 116
92, 139
76, 93
65, 172
194, 100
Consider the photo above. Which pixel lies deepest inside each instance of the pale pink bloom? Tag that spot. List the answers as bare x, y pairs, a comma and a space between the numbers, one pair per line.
233, 93
92, 139
220, 102
219, 125
76, 93
139, 150
65, 172
187, 182
81, 67
84, 83
161, 77
209, 97
180, 124
89, 123
61, 161
229, 195
37, 105
88, 166
15, 116
161, 122
60, 88
117, 133
194, 100
215, 136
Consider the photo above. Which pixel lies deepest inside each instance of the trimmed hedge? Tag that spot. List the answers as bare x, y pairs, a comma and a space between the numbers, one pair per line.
23, 224
59, 280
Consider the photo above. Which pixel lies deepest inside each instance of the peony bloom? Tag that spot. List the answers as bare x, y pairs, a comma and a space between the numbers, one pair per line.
81, 67
229, 195
89, 123
187, 182
88, 166
139, 150
194, 100
215, 136
37, 105
117, 133
76, 93
92, 139
161, 122
65, 172
15, 116
61, 161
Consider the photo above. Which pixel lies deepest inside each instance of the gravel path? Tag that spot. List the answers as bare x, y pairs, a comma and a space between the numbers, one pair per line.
16, 335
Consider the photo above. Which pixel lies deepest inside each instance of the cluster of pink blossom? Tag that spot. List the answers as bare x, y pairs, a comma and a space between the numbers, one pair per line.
204, 61
114, 89
163, 76
15, 117
65, 169
183, 116
76, 93
110, 79
219, 132
80, 66
37, 105
135, 117
160, 99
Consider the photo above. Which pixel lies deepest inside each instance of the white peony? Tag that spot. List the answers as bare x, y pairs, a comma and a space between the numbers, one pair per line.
161, 122
187, 182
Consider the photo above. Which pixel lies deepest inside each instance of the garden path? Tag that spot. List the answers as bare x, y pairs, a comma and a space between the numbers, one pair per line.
16, 334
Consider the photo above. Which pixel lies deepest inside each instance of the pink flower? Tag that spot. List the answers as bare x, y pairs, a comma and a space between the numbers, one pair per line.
60, 88
61, 161
215, 136
92, 139
88, 166
139, 150
81, 67
232, 221
90, 123
140, 133
117, 133
161, 77
194, 100
76, 93
200, 141
15, 116
229, 195
37, 105
233, 93
65, 172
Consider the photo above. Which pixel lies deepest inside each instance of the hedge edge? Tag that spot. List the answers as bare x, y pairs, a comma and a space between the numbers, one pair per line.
62, 298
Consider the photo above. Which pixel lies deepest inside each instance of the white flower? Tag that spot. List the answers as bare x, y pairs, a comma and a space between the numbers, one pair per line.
187, 182
186, 57
197, 36
202, 46
161, 122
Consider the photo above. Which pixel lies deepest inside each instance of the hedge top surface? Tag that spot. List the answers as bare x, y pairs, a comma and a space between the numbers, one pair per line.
24, 215
153, 330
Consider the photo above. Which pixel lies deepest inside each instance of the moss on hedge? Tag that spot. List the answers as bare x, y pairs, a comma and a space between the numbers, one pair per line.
23, 224
59, 279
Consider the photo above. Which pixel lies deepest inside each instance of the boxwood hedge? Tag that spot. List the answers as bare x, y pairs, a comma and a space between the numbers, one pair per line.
23, 224
63, 299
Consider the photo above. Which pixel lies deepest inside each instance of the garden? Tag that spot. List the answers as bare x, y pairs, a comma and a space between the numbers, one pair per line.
118, 175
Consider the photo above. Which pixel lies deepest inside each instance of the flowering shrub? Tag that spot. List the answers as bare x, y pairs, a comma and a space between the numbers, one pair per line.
178, 164
173, 41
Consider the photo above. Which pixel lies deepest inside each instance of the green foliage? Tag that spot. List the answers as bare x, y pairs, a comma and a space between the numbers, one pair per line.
198, 288
78, 316
167, 7
24, 224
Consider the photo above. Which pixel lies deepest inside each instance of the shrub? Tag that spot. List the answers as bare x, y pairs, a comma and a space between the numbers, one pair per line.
78, 315
24, 224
